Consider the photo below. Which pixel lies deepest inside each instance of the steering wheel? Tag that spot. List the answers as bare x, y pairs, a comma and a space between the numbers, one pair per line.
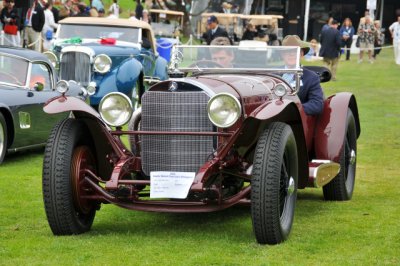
10, 77
206, 64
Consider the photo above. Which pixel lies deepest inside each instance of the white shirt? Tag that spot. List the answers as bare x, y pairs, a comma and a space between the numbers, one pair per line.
395, 27
115, 9
49, 23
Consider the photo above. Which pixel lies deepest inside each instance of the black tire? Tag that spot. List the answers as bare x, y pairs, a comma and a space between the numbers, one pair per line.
3, 137
275, 166
342, 186
66, 215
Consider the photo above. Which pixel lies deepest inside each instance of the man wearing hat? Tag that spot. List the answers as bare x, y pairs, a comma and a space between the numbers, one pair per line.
214, 30
310, 92
330, 47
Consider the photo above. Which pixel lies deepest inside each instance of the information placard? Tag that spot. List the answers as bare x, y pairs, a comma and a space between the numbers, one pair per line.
174, 185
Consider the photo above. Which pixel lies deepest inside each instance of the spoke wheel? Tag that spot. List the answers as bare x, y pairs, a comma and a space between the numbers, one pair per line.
342, 186
274, 184
3, 138
82, 159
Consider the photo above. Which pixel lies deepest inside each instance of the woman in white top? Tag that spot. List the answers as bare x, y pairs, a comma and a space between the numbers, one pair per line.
48, 28
114, 8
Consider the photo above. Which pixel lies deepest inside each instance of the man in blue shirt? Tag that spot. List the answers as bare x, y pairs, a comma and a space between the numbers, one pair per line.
310, 92
98, 4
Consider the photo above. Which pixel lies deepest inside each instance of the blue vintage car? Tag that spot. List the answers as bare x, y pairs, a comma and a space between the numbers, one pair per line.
27, 81
108, 54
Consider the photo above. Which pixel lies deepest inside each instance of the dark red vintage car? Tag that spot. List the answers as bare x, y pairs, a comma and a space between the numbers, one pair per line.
213, 136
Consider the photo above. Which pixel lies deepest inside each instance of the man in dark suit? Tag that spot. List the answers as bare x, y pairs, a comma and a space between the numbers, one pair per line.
34, 25
310, 92
214, 30
330, 47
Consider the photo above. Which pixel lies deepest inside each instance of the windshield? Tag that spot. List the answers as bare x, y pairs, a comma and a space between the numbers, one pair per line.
67, 31
249, 57
13, 70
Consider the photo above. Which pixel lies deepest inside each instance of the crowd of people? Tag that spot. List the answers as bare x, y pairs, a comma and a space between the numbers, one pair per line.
40, 21
35, 28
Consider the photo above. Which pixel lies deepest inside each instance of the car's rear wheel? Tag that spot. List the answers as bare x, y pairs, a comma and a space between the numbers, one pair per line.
342, 186
274, 184
67, 155
3, 138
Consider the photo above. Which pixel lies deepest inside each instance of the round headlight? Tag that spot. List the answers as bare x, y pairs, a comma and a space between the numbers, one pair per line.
91, 88
280, 90
102, 63
223, 110
115, 109
62, 86
52, 58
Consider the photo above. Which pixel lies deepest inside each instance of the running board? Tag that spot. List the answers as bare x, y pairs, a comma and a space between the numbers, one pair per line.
321, 172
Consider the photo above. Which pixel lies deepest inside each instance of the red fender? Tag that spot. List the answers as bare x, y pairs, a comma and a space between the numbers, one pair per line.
331, 126
66, 104
287, 111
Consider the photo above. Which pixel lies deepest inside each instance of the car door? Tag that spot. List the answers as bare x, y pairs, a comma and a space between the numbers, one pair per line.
32, 125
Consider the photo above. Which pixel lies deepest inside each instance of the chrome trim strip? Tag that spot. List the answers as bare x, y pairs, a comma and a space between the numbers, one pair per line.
27, 147
206, 89
82, 49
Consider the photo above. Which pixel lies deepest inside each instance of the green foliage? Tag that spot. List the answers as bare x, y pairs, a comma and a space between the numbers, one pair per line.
363, 231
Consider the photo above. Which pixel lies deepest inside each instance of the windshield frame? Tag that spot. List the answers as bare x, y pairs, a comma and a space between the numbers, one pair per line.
177, 57
137, 40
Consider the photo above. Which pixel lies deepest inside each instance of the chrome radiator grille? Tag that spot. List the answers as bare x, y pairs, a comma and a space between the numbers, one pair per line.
75, 66
175, 111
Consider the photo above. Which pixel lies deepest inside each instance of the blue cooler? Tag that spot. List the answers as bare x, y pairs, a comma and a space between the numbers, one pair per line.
164, 47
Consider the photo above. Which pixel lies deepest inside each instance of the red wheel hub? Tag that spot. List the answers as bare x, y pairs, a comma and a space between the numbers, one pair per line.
82, 159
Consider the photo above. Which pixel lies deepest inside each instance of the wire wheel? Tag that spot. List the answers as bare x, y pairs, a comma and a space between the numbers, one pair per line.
274, 184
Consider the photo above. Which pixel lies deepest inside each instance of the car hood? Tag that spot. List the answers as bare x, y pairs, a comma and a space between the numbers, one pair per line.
251, 90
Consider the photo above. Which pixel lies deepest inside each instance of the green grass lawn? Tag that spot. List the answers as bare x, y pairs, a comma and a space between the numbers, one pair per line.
363, 231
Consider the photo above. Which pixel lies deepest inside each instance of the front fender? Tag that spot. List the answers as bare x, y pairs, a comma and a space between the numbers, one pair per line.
285, 111
121, 79
331, 126
68, 104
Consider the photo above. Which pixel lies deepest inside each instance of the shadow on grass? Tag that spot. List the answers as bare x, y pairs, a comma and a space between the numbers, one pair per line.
21, 156
233, 223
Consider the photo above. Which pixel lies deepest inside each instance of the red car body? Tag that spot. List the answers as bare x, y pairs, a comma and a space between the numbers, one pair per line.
106, 171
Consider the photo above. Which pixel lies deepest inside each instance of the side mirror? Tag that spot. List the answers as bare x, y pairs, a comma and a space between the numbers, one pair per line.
323, 72
39, 86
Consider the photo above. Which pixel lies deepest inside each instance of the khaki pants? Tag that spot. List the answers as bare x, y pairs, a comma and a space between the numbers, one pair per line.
332, 64
33, 40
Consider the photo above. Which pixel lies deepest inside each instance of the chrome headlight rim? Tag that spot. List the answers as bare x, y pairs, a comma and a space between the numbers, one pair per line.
107, 68
127, 116
280, 90
235, 101
91, 88
62, 86
52, 58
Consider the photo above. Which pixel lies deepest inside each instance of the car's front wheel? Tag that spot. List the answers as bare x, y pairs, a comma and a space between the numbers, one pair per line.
274, 184
342, 186
3, 137
68, 155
